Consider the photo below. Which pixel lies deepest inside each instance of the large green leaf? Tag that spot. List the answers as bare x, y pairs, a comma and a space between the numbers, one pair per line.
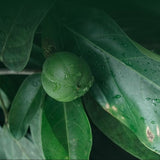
116, 131
126, 75
66, 132
13, 149
18, 22
35, 127
25, 104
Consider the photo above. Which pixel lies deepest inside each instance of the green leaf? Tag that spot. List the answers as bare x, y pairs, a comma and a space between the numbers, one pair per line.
13, 149
66, 133
116, 131
127, 79
4, 99
25, 104
18, 22
35, 127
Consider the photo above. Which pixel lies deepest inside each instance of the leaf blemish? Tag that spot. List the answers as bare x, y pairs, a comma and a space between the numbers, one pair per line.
158, 132
114, 108
149, 134
106, 106
122, 117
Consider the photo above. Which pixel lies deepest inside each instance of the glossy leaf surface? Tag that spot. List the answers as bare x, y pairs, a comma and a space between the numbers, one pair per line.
126, 74
18, 22
116, 131
66, 132
13, 149
25, 104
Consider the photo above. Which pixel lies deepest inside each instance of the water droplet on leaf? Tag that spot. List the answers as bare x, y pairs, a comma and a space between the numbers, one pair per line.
66, 76
35, 83
142, 119
148, 98
153, 122
117, 96
157, 100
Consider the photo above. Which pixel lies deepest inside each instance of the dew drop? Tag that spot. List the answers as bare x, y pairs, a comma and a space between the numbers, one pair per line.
35, 83
154, 102
55, 86
117, 96
142, 119
128, 63
155, 111
66, 76
157, 100
148, 98
153, 122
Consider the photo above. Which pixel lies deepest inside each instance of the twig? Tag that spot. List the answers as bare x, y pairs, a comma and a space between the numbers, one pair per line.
25, 72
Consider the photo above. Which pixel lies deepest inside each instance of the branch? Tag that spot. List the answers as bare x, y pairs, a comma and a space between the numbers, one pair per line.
25, 72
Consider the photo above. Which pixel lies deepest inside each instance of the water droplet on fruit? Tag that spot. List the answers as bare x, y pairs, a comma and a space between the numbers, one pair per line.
55, 86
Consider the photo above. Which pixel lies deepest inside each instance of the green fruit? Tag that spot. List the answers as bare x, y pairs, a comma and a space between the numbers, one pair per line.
66, 77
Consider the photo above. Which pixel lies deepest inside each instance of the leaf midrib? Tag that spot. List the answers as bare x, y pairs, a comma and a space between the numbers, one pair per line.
66, 127
91, 43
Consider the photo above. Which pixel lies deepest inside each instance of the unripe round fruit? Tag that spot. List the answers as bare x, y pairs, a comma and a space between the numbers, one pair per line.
66, 77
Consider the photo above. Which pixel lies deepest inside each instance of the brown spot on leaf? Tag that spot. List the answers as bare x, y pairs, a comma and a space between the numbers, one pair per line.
114, 108
122, 117
106, 107
158, 132
149, 134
